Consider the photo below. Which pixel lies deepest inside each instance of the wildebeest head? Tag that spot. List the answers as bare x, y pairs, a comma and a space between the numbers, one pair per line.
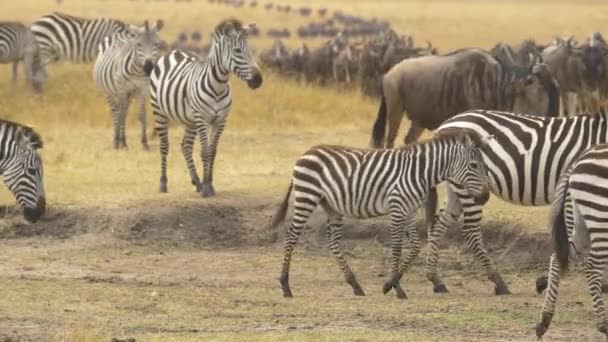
593, 64
147, 45
537, 93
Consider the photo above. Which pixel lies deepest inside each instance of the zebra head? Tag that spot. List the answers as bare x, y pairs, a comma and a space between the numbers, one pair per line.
234, 52
147, 45
24, 173
469, 170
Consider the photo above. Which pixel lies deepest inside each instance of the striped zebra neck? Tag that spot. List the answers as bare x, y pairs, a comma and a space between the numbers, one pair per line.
431, 162
133, 67
219, 58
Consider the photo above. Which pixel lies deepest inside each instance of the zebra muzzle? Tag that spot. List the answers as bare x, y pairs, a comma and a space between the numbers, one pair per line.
256, 81
33, 214
148, 67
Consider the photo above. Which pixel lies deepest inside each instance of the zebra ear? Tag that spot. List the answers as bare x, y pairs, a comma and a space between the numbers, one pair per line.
159, 25
22, 141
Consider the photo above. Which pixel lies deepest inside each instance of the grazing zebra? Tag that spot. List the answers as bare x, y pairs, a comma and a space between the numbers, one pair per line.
525, 160
122, 72
17, 43
64, 37
369, 183
21, 167
196, 93
580, 227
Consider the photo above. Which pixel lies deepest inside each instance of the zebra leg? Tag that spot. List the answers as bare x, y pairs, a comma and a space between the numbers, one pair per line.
334, 233
413, 251
142, 118
398, 220
187, 144
124, 109
446, 218
15, 71
471, 232
550, 298
209, 155
115, 107
303, 209
163, 133
594, 265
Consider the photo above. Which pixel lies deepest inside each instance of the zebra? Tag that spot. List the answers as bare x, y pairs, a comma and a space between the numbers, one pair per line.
579, 223
368, 183
65, 37
196, 93
525, 159
21, 167
17, 43
122, 71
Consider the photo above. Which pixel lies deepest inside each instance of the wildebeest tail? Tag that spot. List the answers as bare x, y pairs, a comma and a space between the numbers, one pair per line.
558, 222
282, 211
380, 125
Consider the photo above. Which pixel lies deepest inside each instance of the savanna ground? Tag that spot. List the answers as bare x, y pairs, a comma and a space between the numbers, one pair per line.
114, 258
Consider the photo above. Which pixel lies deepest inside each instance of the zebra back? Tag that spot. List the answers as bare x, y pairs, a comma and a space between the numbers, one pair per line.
65, 37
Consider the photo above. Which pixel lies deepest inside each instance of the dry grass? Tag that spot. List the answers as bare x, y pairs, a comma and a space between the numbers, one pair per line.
44, 282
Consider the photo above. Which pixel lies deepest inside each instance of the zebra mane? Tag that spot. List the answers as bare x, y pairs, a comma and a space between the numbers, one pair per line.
227, 24
32, 136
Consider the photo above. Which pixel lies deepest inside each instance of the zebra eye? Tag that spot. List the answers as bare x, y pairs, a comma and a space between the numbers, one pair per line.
474, 166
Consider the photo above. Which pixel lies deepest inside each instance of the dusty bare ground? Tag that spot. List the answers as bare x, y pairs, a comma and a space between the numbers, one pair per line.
208, 270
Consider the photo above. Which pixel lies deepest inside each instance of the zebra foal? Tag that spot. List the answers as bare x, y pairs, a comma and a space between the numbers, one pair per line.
580, 228
122, 71
17, 43
21, 167
369, 183
196, 93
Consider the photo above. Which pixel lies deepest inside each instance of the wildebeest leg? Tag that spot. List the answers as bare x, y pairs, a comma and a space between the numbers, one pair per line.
334, 235
347, 72
413, 133
187, 146
394, 113
15, 71
550, 298
446, 218
399, 218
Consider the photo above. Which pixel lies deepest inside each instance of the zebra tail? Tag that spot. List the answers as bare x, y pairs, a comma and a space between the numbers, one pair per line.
431, 208
282, 211
558, 222
379, 129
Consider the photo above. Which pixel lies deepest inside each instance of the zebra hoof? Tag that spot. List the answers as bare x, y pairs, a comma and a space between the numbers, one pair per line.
541, 329
400, 293
386, 288
145, 146
207, 191
440, 288
163, 188
541, 284
501, 290
359, 292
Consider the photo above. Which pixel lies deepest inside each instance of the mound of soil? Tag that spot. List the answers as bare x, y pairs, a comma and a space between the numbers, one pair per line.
217, 224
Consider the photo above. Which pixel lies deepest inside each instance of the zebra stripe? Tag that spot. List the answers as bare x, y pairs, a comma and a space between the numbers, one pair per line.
583, 193
122, 72
525, 161
196, 93
17, 43
21, 167
65, 37
369, 183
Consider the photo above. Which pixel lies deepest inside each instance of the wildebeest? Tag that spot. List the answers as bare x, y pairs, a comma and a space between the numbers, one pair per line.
577, 69
304, 11
268, 6
432, 89
322, 11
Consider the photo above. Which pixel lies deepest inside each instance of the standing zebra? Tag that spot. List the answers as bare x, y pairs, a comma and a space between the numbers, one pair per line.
122, 72
196, 93
369, 183
525, 160
580, 227
64, 37
17, 43
21, 167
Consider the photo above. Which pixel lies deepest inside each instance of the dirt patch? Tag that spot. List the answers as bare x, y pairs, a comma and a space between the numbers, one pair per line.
152, 222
